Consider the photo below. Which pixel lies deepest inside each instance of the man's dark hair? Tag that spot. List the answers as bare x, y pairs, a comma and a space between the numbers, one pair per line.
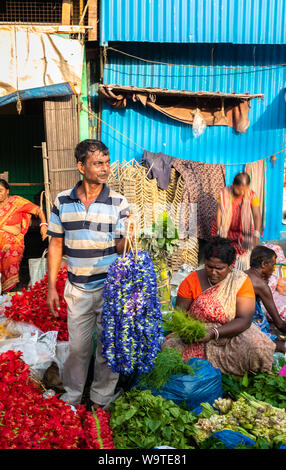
259, 254
241, 179
88, 146
221, 248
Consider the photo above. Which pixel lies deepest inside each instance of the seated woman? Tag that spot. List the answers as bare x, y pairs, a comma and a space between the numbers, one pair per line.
224, 299
15, 216
262, 262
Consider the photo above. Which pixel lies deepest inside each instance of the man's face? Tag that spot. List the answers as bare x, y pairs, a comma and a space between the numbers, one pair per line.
96, 168
268, 268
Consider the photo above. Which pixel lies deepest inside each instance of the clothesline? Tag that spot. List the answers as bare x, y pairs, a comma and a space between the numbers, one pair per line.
226, 67
91, 113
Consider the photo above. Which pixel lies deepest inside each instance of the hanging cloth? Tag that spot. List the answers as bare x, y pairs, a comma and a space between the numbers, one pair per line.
160, 166
202, 185
257, 173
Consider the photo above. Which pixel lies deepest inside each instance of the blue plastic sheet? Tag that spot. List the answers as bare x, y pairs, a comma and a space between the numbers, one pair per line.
231, 439
61, 89
205, 386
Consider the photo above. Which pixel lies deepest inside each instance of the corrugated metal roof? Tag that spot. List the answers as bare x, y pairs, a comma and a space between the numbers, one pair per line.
193, 21
150, 130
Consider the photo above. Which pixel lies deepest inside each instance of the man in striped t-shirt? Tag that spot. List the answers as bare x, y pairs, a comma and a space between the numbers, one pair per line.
87, 224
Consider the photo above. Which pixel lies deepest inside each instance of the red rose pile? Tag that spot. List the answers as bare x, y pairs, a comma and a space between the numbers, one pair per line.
31, 307
28, 420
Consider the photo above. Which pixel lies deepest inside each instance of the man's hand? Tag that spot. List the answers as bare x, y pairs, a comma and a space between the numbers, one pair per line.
282, 326
53, 301
130, 225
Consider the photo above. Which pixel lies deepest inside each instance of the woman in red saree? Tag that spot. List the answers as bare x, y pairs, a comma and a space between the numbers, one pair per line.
224, 299
15, 216
239, 218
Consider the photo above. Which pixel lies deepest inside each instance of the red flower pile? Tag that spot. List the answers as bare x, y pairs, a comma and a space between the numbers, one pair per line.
98, 432
30, 306
30, 421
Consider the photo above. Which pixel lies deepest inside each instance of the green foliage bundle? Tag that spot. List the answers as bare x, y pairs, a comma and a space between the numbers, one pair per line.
168, 362
161, 239
249, 416
187, 328
262, 386
140, 420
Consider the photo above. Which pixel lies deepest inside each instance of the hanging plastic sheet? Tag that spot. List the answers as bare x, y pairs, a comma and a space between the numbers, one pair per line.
38, 64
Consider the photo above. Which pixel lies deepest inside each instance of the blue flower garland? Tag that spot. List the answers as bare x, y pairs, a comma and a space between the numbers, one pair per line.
131, 314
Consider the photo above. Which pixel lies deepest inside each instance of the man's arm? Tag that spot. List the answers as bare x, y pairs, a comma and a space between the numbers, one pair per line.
55, 253
129, 224
266, 296
120, 244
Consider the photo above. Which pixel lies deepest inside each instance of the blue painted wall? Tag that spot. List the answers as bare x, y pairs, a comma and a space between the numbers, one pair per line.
193, 21
237, 68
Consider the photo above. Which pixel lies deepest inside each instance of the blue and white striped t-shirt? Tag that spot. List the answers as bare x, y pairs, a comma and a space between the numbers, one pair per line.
89, 236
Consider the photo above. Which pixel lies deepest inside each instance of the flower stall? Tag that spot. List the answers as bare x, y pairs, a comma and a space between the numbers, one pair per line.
167, 403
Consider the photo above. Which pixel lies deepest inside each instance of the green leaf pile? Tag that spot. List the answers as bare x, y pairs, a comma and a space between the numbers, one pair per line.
140, 420
262, 386
168, 362
187, 328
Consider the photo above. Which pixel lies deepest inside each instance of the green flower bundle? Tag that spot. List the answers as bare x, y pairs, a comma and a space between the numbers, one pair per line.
167, 363
187, 328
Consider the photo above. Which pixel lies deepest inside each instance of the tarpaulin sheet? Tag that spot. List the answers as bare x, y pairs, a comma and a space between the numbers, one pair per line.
35, 63
217, 110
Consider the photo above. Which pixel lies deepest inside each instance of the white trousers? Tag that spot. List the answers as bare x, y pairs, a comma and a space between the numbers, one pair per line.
84, 317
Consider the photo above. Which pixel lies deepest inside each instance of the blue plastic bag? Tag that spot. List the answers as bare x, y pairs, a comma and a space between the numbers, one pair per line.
231, 439
205, 386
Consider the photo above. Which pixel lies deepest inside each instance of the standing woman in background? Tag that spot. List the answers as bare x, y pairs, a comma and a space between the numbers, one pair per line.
239, 218
15, 216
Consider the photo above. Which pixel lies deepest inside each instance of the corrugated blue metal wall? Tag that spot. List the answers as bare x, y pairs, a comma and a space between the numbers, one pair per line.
150, 130
192, 21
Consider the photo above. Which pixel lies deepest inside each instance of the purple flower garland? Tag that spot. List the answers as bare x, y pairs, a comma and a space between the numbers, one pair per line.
131, 315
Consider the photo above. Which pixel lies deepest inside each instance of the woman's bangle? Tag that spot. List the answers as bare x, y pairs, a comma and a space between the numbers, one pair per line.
43, 223
216, 333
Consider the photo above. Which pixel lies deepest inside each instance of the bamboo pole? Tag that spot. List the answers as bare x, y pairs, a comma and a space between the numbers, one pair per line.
46, 179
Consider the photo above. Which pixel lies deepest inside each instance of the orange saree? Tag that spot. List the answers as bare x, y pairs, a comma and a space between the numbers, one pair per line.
250, 350
16, 212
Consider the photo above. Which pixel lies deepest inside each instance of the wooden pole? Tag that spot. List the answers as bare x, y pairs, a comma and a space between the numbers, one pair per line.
66, 12
46, 179
92, 20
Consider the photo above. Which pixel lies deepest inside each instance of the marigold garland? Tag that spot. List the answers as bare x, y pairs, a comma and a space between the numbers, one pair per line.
131, 316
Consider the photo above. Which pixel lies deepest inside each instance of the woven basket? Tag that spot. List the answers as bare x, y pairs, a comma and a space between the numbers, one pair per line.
147, 201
